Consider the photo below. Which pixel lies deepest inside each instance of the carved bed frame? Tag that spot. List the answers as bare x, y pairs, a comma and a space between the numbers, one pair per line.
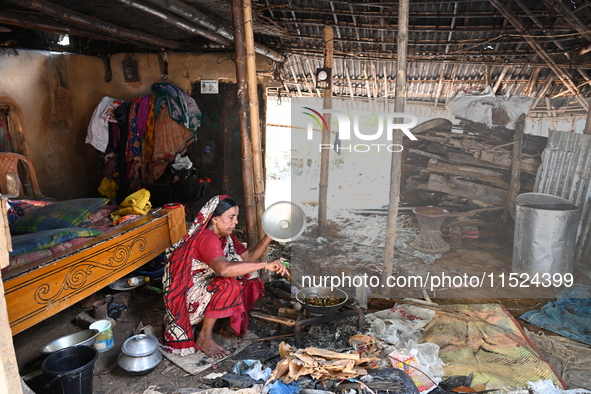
59, 281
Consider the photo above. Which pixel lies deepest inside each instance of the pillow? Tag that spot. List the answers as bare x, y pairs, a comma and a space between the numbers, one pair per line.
60, 214
48, 238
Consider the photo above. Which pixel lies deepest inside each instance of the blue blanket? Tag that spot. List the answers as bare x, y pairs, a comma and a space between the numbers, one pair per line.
570, 317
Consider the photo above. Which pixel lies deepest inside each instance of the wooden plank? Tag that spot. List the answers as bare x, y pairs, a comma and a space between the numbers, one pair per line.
9, 376
486, 215
430, 155
460, 158
503, 159
276, 319
36, 293
458, 187
481, 174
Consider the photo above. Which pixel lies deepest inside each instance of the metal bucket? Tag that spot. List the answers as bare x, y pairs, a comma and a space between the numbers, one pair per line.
545, 234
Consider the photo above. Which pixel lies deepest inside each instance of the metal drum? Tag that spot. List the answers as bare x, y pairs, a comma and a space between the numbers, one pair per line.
545, 234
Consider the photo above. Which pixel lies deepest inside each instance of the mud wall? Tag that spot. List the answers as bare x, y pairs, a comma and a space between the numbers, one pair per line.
52, 97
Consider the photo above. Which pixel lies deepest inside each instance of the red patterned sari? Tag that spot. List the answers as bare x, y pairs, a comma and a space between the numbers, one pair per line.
193, 290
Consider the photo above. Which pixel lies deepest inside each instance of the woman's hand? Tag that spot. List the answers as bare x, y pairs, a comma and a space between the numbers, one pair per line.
278, 267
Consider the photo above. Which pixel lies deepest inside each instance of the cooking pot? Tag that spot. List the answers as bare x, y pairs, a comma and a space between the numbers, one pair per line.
80, 338
139, 355
307, 293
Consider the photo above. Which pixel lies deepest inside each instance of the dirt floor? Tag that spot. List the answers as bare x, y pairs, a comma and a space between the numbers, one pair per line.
350, 244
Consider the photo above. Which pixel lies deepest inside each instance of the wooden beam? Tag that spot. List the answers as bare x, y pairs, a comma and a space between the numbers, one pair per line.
515, 168
96, 24
440, 82
461, 188
295, 79
573, 20
324, 156
532, 82
550, 33
492, 177
365, 75
450, 88
375, 79
313, 74
348, 74
195, 16
500, 79
386, 88
396, 165
587, 129
31, 22
561, 74
543, 91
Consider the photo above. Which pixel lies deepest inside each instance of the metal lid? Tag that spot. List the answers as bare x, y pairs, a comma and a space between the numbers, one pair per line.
140, 345
284, 221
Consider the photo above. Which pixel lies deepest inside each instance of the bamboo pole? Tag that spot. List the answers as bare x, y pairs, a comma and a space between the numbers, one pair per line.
43, 25
247, 173
80, 19
399, 107
192, 14
324, 156
255, 124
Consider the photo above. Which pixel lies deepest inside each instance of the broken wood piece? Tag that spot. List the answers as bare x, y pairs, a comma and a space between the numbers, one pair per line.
284, 336
503, 158
459, 158
486, 215
276, 319
287, 312
486, 175
430, 155
463, 188
420, 302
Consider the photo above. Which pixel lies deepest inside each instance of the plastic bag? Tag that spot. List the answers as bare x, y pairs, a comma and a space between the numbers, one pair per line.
399, 324
409, 362
252, 368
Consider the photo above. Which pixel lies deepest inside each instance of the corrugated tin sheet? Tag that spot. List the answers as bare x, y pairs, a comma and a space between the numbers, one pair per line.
566, 172
367, 78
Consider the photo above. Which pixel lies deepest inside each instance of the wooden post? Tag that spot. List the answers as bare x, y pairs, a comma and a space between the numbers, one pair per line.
515, 169
255, 124
587, 129
324, 156
399, 107
9, 376
247, 177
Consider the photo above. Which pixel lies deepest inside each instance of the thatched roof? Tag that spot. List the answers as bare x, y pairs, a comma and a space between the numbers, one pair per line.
521, 46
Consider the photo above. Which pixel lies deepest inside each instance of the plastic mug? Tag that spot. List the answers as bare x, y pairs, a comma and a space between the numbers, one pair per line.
104, 340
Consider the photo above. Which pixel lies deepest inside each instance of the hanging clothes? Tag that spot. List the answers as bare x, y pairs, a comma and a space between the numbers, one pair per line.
182, 108
98, 129
170, 138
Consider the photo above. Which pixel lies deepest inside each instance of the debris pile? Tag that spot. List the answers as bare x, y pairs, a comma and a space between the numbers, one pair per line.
320, 364
467, 169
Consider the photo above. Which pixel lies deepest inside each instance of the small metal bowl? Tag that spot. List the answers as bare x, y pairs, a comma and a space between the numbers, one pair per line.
81, 338
303, 295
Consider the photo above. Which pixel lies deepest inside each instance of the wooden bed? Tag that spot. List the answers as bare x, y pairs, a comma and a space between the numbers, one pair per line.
38, 291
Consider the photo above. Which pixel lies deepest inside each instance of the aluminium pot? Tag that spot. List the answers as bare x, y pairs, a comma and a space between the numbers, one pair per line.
303, 297
139, 355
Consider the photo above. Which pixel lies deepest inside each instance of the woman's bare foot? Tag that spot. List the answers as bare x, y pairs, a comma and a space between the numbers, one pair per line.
210, 347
